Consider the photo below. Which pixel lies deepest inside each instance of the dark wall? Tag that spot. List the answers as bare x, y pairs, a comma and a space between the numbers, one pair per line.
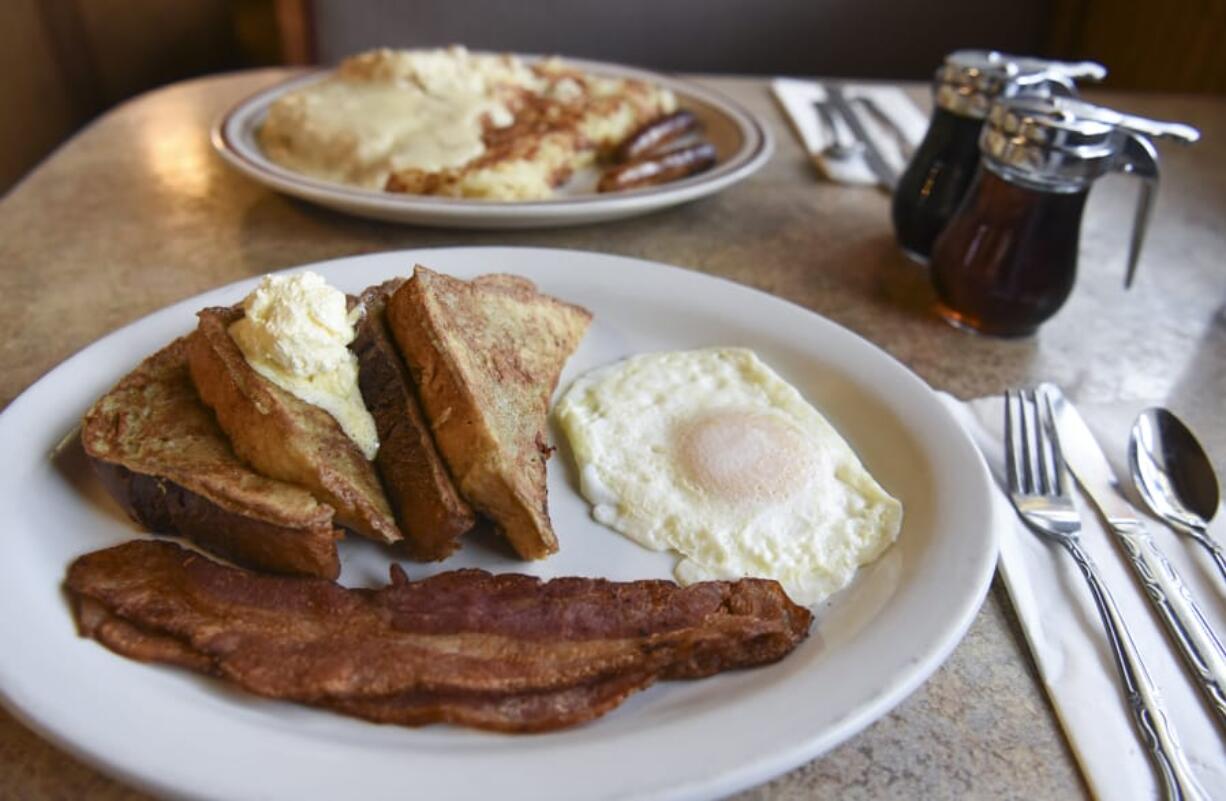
62, 62
864, 38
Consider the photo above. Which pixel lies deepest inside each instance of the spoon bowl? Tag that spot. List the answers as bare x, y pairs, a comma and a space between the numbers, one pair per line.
1174, 476
840, 148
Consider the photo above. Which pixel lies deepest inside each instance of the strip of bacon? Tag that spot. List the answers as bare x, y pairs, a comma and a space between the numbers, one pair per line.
503, 652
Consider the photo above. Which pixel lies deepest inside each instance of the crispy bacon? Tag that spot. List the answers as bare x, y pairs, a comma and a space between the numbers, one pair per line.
503, 652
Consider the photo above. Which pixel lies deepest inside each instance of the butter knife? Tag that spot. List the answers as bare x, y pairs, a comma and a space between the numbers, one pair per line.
1201, 649
886, 175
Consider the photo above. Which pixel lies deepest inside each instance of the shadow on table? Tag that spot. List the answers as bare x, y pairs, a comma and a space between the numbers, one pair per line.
279, 232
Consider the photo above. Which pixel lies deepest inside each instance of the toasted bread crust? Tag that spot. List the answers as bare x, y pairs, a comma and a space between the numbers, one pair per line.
163, 506
428, 507
284, 437
160, 454
485, 356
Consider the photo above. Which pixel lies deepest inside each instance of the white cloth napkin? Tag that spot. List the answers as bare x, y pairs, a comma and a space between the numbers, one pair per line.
1066, 635
797, 98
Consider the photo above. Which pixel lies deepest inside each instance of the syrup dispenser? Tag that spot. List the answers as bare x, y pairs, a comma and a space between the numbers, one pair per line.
938, 175
1007, 259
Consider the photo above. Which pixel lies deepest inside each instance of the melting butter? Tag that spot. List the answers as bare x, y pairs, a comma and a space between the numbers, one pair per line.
296, 332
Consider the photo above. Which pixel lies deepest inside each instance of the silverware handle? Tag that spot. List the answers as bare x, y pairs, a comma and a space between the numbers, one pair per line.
823, 112
1144, 701
1215, 550
887, 176
1201, 649
886, 121
1219, 556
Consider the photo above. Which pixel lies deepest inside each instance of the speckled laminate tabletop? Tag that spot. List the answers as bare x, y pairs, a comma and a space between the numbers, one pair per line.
137, 212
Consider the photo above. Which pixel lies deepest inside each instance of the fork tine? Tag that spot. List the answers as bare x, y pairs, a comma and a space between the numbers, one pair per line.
1029, 442
1013, 446
1044, 461
1040, 450
1047, 416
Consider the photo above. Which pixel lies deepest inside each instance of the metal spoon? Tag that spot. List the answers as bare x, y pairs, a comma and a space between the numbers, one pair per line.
1174, 476
839, 149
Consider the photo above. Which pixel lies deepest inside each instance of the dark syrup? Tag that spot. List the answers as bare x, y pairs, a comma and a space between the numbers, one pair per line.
935, 182
1008, 259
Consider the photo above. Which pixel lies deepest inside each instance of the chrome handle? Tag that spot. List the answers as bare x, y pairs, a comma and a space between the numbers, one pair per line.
1157, 128
1082, 70
1199, 533
1139, 158
1144, 701
1201, 649
1215, 551
1039, 70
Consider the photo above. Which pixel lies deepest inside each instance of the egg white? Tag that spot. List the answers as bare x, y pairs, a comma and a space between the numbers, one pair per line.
711, 454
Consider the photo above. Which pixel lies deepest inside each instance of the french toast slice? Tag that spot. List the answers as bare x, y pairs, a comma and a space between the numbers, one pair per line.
159, 452
282, 436
428, 507
485, 356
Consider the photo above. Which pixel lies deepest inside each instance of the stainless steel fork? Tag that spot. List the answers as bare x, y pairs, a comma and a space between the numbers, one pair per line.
1039, 487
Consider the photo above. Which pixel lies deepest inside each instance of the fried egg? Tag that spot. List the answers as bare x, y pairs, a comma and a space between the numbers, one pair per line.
709, 453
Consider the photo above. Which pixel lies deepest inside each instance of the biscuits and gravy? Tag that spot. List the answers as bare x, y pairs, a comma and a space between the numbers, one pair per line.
453, 123
494, 126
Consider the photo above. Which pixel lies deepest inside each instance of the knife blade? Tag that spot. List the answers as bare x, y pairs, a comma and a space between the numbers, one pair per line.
886, 175
1196, 641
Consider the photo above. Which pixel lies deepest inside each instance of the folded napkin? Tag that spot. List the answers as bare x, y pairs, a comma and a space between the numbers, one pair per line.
1066, 635
798, 98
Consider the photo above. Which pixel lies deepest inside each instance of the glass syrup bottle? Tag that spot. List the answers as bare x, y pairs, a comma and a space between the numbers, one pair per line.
1007, 259
940, 172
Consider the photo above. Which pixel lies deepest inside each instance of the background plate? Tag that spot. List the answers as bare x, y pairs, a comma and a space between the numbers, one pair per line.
741, 142
183, 735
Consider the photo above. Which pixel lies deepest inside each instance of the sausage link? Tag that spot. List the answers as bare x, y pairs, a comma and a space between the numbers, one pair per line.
667, 166
650, 136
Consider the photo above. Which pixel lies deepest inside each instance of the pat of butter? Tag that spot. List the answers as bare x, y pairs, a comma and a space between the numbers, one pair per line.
295, 332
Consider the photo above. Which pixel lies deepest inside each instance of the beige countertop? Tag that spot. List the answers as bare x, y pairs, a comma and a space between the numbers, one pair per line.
137, 212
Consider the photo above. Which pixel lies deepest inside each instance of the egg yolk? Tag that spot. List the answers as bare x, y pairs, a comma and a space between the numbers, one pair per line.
744, 457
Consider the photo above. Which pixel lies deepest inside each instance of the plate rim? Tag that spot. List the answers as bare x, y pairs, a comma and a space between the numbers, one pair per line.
227, 142
899, 686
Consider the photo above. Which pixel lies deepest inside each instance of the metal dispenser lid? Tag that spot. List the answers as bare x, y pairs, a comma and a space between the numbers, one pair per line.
1059, 142
970, 80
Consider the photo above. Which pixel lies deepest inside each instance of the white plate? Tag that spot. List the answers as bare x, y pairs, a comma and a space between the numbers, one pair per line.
179, 734
742, 144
